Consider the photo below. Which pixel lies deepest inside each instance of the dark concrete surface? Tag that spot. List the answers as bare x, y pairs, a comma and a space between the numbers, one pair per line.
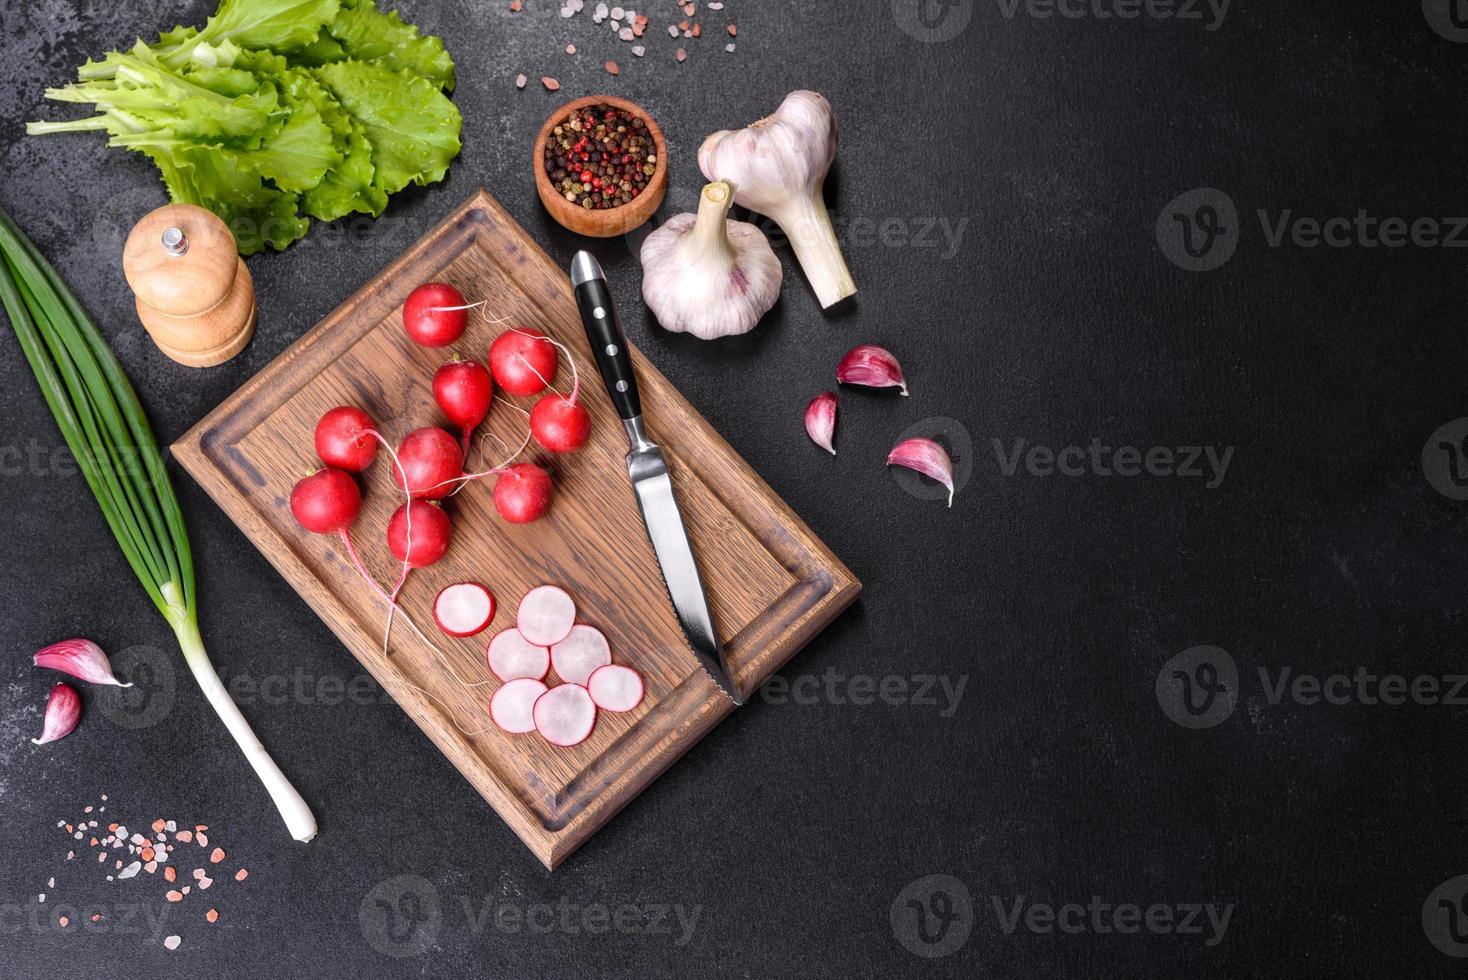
1059, 766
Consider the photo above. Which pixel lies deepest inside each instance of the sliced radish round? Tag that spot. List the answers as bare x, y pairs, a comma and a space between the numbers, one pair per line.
513, 706
463, 609
511, 655
546, 615
615, 688
565, 715
583, 650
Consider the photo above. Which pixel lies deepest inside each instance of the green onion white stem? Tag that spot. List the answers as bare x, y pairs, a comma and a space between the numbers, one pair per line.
103, 423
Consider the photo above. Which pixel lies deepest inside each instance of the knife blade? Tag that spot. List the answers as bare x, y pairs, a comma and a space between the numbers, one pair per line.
647, 468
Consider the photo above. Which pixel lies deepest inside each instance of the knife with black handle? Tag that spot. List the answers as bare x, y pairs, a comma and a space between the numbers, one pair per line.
648, 470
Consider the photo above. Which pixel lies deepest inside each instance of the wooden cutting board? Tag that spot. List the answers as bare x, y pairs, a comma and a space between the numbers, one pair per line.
772, 584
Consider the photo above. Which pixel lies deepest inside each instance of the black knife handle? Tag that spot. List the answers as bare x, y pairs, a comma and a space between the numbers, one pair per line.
609, 346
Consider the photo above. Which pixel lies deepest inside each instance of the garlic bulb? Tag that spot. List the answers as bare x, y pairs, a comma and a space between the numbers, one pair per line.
778, 167
708, 276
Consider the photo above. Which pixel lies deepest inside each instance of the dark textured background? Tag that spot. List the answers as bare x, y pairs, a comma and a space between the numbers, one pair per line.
794, 827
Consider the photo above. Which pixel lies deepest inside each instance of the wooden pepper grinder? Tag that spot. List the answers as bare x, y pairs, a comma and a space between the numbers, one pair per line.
194, 294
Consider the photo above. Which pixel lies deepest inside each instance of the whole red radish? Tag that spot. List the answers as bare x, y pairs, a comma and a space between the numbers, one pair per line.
522, 493
559, 424
431, 533
430, 458
464, 390
523, 361
435, 315
344, 439
326, 502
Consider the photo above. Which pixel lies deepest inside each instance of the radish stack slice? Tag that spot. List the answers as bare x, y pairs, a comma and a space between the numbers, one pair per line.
565, 714
463, 609
511, 656
615, 688
546, 615
582, 651
513, 706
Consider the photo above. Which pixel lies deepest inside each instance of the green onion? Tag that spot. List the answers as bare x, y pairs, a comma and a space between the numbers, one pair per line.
103, 423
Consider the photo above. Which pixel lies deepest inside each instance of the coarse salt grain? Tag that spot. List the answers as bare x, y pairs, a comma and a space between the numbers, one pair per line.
520, 81
172, 942
212, 915
241, 874
216, 856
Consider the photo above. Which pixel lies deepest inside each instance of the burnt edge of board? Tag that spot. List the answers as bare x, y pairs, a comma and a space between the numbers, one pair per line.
823, 588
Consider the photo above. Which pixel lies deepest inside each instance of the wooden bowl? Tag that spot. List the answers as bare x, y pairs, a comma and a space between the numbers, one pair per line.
601, 222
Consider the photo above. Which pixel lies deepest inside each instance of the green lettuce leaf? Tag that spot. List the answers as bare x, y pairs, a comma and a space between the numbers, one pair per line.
412, 126
279, 25
361, 32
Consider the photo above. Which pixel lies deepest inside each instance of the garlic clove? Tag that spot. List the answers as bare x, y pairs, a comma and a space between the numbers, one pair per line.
871, 367
80, 658
820, 421
926, 457
706, 275
63, 712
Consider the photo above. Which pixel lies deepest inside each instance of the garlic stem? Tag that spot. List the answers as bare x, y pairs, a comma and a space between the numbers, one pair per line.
807, 224
710, 238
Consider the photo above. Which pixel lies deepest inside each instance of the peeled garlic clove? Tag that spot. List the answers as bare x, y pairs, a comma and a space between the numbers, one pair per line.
872, 367
926, 457
63, 712
82, 659
820, 421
